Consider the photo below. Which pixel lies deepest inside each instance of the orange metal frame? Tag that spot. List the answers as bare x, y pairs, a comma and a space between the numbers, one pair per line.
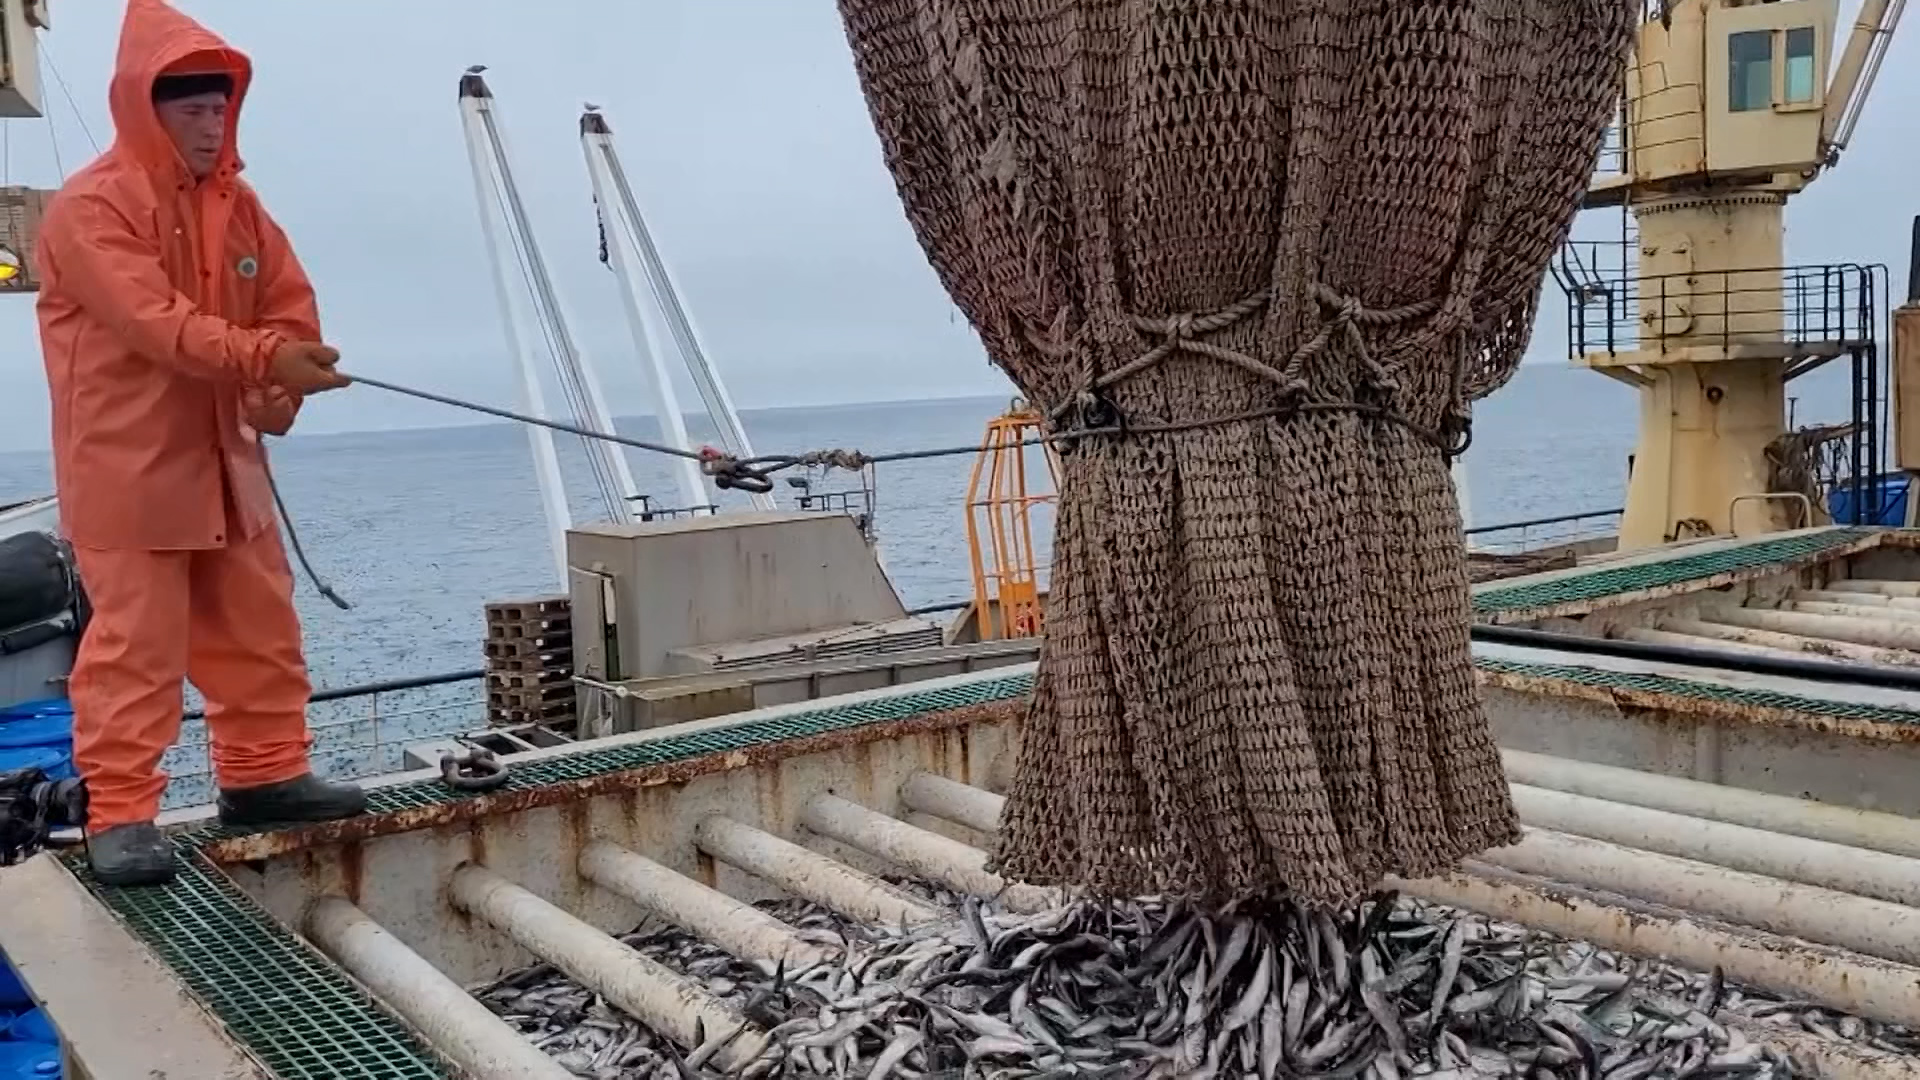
1000, 505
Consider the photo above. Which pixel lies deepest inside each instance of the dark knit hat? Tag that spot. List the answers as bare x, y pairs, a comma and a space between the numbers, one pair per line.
175, 87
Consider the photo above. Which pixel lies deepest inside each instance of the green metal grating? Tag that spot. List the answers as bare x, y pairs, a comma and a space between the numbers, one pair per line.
301, 1015
1662, 684
1612, 581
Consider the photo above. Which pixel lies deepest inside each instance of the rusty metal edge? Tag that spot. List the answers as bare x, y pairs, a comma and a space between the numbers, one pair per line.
1703, 706
1844, 550
267, 845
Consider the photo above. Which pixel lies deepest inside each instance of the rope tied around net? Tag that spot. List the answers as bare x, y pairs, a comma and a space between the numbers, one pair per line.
1090, 409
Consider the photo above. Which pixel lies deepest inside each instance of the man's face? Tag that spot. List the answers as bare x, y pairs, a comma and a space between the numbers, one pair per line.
198, 126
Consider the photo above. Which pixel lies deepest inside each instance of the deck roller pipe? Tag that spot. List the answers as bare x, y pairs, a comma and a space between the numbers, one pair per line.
1852, 611
1893, 878
810, 875
951, 800
1701, 641
665, 1001
1867, 829
1790, 643
741, 929
482, 1044
1882, 588
927, 854
1863, 599
1873, 927
1884, 634
1846, 982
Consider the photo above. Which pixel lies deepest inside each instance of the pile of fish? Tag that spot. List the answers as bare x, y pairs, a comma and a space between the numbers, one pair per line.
1150, 989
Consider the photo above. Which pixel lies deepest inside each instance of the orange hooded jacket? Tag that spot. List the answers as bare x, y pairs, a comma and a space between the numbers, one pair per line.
162, 303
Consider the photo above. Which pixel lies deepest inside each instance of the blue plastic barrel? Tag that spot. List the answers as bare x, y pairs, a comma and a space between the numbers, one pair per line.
33, 1026
53, 706
55, 761
13, 994
29, 1061
38, 734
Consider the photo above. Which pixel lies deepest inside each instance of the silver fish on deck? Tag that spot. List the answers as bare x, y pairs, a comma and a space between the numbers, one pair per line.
1149, 989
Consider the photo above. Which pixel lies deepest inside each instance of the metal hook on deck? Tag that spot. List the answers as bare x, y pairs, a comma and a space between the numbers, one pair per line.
473, 770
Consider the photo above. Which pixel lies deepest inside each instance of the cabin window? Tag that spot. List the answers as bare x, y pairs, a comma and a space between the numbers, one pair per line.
1800, 65
1750, 56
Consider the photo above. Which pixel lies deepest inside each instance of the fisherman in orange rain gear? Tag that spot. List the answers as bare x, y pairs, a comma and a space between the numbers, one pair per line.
177, 326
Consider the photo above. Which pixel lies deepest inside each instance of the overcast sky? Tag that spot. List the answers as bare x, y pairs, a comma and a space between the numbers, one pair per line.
743, 131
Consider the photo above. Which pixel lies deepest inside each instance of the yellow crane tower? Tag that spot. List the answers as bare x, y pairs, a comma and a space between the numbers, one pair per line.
20, 99
1730, 108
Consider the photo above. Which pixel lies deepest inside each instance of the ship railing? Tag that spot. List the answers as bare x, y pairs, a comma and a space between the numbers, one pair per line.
1809, 314
1536, 534
358, 731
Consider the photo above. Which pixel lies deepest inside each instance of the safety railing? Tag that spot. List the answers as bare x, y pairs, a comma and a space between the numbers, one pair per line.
1814, 312
363, 730
646, 511
1520, 537
357, 731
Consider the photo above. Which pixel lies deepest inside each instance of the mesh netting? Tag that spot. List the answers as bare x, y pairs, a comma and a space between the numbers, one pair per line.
1283, 244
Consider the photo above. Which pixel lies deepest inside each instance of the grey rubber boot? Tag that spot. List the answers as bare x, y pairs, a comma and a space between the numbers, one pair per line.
291, 802
131, 855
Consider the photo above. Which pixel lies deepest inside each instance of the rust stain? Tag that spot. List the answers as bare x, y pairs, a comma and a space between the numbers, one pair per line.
863, 775
353, 869
579, 821
268, 845
938, 759
476, 841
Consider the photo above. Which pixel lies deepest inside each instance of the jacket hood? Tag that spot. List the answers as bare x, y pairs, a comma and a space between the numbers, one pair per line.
157, 39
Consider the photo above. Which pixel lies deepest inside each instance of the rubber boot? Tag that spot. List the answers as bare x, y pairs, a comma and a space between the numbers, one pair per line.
131, 855
304, 798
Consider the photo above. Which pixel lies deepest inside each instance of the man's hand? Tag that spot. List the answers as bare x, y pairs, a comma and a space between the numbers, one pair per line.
306, 367
270, 411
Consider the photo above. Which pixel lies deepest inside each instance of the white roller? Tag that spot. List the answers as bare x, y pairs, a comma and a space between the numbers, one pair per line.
1882, 588
741, 929
1894, 878
1791, 643
651, 993
1853, 611
1847, 982
1873, 927
962, 804
1756, 809
1866, 599
1883, 633
927, 854
1703, 641
482, 1044
810, 875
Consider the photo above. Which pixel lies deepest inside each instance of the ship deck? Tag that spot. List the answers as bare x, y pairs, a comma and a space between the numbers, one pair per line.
225, 950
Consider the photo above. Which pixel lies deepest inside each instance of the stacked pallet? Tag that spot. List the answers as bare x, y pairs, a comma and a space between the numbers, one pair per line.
530, 662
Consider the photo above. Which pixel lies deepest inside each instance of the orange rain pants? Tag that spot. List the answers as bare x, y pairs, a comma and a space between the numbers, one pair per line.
222, 618
163, 300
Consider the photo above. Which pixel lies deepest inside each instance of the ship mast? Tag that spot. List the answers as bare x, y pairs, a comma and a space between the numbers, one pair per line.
1729, 109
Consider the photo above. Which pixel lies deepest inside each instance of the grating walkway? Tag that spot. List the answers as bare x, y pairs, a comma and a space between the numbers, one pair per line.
1761, 556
